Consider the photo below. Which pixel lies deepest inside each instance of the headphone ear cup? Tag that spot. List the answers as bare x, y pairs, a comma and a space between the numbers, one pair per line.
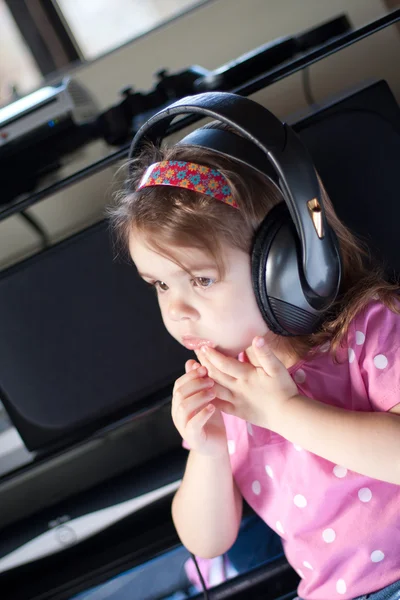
277, 279
263, 239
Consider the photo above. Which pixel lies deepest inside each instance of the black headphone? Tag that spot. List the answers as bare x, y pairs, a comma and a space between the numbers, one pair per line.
296, 265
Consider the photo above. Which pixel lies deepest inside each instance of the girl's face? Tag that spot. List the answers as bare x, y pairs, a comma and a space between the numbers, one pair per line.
196, 306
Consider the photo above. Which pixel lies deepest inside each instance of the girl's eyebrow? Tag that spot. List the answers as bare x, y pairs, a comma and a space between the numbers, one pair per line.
205, 267
145, 275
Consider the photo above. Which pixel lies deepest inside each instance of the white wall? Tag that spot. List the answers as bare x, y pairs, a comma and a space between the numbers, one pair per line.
210, 36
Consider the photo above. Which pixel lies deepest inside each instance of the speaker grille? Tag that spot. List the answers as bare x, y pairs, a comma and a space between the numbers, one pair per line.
295, 320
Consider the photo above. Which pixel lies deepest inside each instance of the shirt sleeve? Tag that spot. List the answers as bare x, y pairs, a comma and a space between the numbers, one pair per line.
375, 344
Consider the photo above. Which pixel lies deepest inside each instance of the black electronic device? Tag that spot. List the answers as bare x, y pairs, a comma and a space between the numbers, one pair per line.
354, 142
82, 341
270, 55
118, 123
36, 131
47, 133
79, 519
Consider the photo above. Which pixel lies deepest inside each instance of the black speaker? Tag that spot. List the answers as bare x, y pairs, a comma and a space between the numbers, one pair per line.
355, 146
82, 342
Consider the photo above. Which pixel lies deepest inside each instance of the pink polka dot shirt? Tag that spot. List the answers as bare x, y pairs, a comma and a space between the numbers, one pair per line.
340, 530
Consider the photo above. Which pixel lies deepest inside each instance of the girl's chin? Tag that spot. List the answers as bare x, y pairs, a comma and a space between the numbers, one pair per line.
234, 352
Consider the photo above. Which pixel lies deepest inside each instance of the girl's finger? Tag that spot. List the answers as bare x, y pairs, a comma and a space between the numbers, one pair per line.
222, 392
219, 396
191, 364
195, 426
225, 407
193, 375
190, 388
194, 386
267, 359
189, 407
214, 372
226, 364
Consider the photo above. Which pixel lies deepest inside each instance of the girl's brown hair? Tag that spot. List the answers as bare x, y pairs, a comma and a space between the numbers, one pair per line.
172, 217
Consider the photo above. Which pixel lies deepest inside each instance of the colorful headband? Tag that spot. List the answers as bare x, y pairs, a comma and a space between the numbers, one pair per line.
191, 176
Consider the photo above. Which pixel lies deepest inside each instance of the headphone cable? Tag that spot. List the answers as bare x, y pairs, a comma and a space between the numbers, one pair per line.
203, 584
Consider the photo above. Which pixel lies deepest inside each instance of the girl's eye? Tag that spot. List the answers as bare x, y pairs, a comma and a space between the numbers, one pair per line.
158, 286
204, 282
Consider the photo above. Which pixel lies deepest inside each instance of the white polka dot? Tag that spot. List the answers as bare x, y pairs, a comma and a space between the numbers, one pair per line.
341, 587
300, 376
280, 527
231, 446
269, 471
250, 428
300, 501
329, 535
365, 494
339, 471
325, 347
297, 447
256, 487
300, 573
351, 354
307, 564
380, 361
360, 338
377, 556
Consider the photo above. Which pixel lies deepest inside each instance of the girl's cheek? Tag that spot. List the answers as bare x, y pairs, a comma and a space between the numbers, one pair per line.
168, 325
163, 314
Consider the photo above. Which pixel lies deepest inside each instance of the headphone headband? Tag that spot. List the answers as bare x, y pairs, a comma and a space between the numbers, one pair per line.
320, 263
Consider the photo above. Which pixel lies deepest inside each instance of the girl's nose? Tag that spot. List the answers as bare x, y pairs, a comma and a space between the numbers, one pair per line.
179, 309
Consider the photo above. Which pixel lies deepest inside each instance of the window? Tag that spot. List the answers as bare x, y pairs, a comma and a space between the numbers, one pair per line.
101, 26
19, 72
40, 37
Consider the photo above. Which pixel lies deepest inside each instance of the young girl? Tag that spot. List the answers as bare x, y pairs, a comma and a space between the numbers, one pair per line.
306, 429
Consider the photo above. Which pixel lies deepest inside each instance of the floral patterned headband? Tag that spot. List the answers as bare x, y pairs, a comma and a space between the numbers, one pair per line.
199, 178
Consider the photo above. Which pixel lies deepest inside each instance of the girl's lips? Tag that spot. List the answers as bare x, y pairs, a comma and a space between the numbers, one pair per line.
193, 343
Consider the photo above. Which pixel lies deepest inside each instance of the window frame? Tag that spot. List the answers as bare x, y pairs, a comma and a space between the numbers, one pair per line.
46, 34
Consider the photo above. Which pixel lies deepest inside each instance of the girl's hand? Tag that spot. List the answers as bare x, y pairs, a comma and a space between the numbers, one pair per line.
258, 395
198, 421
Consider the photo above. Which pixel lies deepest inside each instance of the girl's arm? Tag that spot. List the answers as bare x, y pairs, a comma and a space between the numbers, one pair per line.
207, 508
365, 442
